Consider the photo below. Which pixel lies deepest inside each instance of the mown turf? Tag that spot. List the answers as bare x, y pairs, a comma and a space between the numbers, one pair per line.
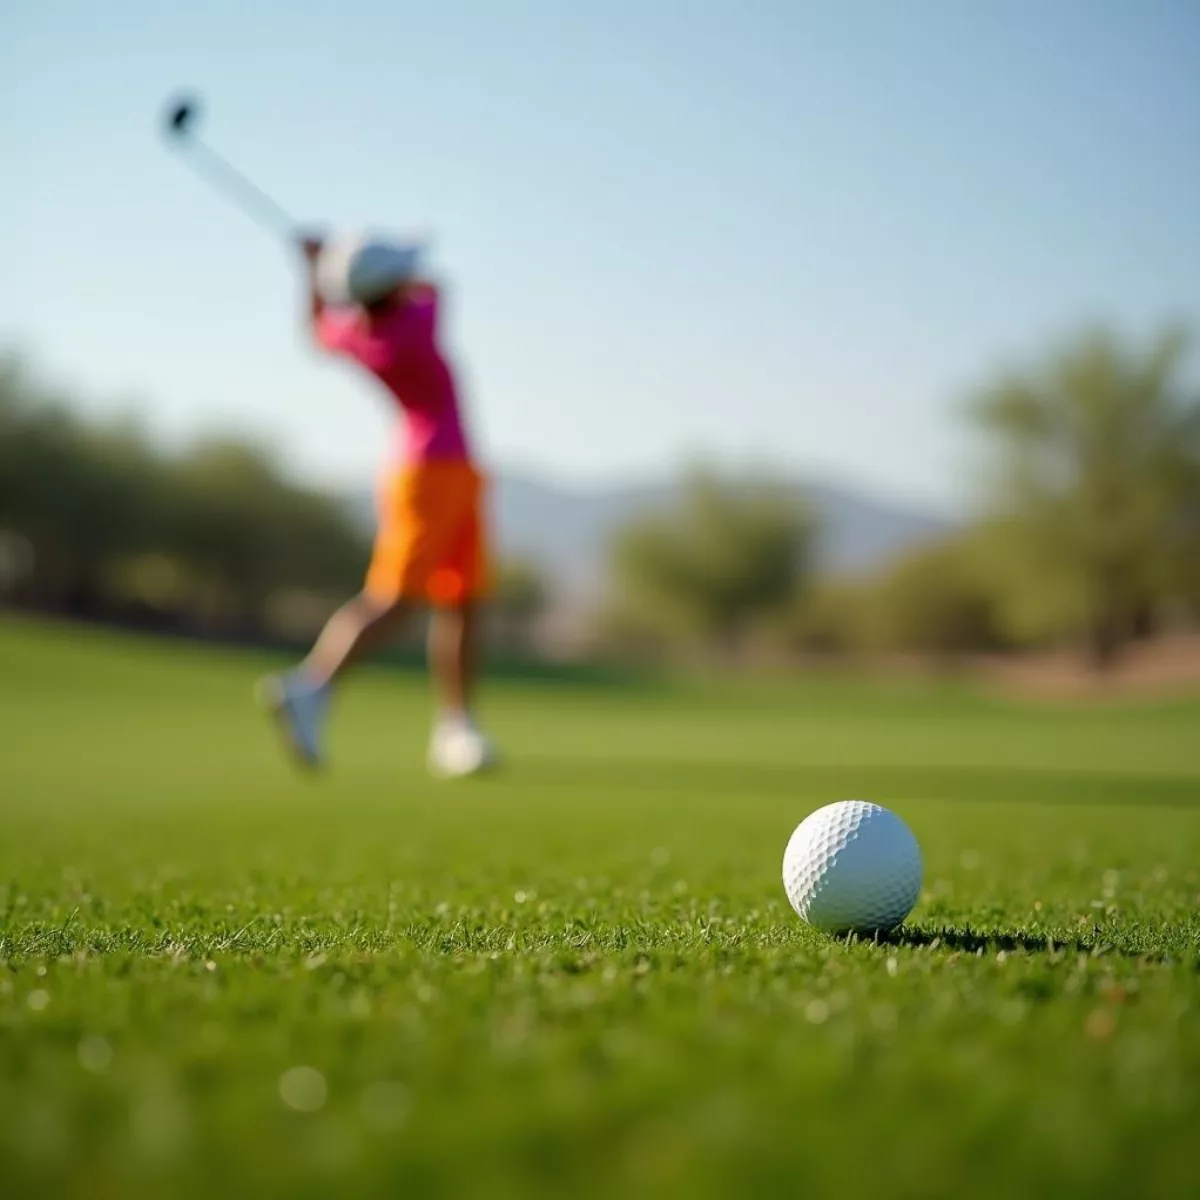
582, 978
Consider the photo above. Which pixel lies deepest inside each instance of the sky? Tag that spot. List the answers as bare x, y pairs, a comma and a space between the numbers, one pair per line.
792, 233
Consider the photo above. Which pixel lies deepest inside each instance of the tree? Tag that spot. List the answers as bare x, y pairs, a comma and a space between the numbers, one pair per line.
1098, 451
934, 602
730, 553
108, 524
79, 495
518, 599
829, 619
248, 532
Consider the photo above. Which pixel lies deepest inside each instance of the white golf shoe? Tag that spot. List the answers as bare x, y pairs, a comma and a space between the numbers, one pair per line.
299, 710
458, 749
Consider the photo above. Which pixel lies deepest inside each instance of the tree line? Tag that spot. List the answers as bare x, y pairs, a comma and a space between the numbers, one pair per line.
97, 522
1087, 533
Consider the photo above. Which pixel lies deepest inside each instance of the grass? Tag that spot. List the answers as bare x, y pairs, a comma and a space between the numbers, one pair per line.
582, 977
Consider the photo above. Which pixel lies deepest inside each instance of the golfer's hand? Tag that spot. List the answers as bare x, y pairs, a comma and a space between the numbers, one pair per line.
310, 247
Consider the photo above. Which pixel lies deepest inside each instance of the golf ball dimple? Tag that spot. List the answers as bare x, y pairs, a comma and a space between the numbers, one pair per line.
852, 867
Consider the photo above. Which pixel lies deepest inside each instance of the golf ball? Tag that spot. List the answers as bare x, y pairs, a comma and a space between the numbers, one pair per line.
852, 867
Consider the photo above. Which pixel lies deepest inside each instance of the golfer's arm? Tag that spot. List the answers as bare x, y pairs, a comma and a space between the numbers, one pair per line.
315, 308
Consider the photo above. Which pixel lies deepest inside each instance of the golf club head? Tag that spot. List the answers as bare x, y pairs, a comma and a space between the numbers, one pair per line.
181, 116
179, 122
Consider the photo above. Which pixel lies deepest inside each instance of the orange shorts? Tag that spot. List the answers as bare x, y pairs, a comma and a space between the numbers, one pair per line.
431, 545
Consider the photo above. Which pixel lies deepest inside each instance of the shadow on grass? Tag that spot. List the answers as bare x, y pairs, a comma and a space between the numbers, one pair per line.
973, 942
969, 941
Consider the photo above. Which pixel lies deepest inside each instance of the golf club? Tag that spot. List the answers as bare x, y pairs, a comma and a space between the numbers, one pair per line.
180, 127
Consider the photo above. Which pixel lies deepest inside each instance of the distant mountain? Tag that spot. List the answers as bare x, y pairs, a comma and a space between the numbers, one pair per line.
566, 530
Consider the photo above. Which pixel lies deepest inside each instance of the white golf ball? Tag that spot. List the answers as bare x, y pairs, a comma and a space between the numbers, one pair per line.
852, 867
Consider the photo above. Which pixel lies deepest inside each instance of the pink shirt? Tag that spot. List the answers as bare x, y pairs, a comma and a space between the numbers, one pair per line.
401, 351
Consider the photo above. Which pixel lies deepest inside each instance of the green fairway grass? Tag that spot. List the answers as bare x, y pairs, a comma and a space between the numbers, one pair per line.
581, 977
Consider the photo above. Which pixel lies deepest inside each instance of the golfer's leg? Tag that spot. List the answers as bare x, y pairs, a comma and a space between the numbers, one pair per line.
458, 746
299, 700
452, 658
355, 630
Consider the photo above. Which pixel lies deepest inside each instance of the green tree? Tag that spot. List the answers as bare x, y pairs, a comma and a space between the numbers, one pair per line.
729, 554
1098, 457
79, 495
828, 619
934, 602
219, 529
519, 597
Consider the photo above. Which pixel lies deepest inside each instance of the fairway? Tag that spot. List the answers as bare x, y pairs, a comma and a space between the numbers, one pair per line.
582, 977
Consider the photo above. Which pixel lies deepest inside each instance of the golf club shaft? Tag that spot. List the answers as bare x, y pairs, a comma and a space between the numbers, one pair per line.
249, 197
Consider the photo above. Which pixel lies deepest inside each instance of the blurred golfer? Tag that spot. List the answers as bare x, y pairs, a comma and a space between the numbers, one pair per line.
367, 301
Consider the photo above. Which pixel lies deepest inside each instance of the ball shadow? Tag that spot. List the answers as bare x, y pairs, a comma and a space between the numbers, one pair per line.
970, 941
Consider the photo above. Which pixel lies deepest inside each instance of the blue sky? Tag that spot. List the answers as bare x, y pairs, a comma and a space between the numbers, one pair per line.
747, 229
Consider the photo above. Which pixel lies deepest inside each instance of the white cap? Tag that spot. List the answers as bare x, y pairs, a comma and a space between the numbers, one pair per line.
365, 269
